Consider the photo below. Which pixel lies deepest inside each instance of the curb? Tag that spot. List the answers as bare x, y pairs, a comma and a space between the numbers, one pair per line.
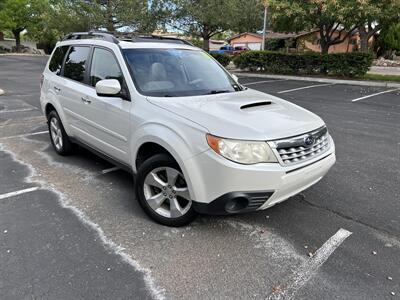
1, 92
322, 80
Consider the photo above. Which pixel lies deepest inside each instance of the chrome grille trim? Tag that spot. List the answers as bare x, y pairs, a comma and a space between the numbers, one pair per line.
295, 150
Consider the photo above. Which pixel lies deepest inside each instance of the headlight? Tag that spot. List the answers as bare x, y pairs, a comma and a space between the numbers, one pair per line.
244, 152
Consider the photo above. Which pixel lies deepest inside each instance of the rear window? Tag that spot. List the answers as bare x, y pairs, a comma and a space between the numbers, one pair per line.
75, 63
57, 59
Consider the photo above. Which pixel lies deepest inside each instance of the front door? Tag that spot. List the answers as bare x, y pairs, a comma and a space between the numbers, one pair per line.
107, 117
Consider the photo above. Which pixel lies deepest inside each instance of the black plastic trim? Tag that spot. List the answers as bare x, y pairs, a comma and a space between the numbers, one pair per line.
106, 157
222, 205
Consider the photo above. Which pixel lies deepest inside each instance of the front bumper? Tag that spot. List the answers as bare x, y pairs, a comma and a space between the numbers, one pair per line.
214, 181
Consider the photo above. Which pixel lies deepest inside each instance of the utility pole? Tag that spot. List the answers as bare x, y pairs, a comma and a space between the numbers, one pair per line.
265, 24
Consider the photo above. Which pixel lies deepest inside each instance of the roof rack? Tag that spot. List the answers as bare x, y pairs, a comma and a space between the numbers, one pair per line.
107, 36
132, 37
115, 37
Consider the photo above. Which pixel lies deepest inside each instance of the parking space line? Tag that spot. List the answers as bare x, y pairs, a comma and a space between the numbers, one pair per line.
305, 87
23, 135
376, 94
264, 81
109, 170
310, 268
17, 110
16, 193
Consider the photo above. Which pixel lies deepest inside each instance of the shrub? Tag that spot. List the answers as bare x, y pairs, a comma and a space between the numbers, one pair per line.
309, 63
223, 59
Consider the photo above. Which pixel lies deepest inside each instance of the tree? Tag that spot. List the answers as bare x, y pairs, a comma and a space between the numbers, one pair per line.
20, 15
202, 18
137, 15
389, 39
373, 16
328, 16
248, 16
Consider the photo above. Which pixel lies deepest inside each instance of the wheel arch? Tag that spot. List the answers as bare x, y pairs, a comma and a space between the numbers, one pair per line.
154, 139
53, 105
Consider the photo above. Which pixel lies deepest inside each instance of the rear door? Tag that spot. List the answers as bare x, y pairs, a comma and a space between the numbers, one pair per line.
107, 117
74, 89
53, 81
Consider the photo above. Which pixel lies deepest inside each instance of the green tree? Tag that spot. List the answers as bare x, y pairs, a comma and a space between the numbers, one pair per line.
248, 16
202, 18
328, 16
20, 15
373, 16
389, 39
138, 15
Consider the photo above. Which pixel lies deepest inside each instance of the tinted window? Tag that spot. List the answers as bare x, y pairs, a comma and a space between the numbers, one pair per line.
75, 63
104, 66
57, 59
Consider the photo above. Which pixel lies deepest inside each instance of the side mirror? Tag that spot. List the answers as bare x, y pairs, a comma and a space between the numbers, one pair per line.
235, 78
108, 87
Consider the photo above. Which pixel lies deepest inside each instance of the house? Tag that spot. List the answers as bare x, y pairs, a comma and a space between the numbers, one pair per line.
311, 41
307, 40
250, 40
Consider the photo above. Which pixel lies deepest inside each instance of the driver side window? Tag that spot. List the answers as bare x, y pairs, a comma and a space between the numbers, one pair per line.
104, 66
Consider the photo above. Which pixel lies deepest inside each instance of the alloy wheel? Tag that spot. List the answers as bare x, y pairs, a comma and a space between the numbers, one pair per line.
166, 192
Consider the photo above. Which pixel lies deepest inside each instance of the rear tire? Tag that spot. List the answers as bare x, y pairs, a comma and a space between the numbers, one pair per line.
162, 191
59, 138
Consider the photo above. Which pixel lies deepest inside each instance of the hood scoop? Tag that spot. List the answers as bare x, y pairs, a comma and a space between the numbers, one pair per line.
255, 105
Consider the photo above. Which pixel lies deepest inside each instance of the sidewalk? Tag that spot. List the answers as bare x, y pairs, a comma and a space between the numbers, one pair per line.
384, 70
318, 79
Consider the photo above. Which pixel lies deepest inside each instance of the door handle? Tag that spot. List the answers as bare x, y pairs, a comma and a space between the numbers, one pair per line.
86, 100
57, 89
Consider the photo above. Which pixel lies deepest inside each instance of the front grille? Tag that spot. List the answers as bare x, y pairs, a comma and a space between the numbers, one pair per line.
304, 147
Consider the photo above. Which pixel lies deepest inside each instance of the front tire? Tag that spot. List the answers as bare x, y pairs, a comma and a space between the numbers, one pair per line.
163, 193
58, 136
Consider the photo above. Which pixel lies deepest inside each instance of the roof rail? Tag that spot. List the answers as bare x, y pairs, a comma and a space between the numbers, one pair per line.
115, 37
137, 37
107, 36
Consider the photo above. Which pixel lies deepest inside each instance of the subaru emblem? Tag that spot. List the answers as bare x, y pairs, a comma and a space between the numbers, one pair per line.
310, 140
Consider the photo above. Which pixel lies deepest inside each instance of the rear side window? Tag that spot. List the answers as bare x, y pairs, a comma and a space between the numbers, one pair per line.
57, 59
75, 63
104, 66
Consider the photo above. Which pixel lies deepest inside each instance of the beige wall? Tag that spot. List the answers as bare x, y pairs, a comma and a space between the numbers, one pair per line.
247, 39
9, 43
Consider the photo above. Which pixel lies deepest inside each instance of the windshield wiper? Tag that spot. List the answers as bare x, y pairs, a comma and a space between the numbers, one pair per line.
219, 91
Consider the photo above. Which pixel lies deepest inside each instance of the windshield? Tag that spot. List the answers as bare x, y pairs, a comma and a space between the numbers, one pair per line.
177, 72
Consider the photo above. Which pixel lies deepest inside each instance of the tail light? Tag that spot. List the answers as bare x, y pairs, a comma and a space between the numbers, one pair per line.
41, 81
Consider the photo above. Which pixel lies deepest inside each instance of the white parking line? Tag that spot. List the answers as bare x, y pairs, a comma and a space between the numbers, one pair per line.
376, 94
109, 170
310, 268
17, 110
264, 81
23, 135
16, 193
305, 87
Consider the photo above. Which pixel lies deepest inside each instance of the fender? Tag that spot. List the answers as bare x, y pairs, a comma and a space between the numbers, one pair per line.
174, 142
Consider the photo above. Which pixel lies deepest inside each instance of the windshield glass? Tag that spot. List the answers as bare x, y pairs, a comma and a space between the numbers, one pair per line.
177, 72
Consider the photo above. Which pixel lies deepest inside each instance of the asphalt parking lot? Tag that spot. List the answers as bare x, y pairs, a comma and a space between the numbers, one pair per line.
78, 232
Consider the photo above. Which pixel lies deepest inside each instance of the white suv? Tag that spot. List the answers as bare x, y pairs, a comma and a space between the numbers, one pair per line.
196, 139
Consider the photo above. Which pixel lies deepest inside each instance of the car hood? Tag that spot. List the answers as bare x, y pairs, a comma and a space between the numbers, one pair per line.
248, 114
